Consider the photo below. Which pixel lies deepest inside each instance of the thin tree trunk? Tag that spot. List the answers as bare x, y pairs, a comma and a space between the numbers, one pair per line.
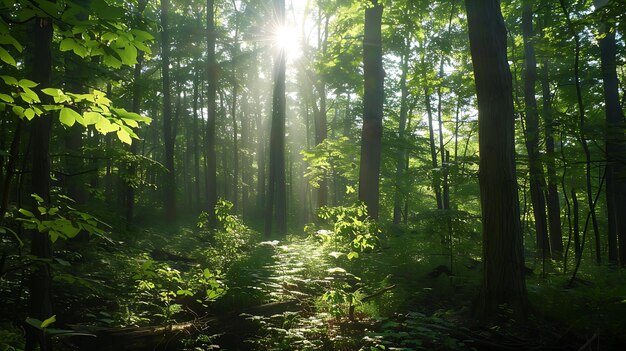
168, 130
14, 153
400, 191
582, 136
212, 79
535, 168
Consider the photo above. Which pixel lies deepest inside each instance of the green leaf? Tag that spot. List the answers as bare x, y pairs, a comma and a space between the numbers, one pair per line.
29, 96
52, 92
8, 80
37, 198
7, 98
352, 255
67, 44
25, 83
68, 116
26, 213
6, 57
124, 136
141, 35
104, 126
7, 39
112, 61
48, 321
29, 113
92, 117
18, 110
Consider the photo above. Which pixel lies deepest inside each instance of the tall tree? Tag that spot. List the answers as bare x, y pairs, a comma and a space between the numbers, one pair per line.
401, 156
615, 145
373, 99
552, 194
276, 199
212, 79
40, 304
168, 130
503, 256
537, 180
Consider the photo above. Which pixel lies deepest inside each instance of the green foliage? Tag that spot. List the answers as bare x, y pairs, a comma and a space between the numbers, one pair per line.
160, 287
415, 331
331, 159
231, 238
60, 220
349, 226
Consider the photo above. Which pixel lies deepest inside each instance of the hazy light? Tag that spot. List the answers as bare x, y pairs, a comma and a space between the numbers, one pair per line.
286, 38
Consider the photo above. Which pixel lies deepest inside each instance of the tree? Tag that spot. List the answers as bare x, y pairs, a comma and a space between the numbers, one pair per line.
276, 199
537, 180
168, 130
41, 246
373, 99
615, 146
212, 79
503, 258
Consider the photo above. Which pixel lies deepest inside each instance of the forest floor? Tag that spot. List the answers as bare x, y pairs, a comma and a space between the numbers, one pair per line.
303, 293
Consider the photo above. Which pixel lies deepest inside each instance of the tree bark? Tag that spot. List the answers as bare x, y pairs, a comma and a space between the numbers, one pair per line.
400, 193
615, 147
537, 180
503, 257
373, 99
168, 130
581, 122
212, 79
276, 200
40, 302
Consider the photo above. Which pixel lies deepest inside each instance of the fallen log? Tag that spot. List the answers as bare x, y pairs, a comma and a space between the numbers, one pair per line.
234, 325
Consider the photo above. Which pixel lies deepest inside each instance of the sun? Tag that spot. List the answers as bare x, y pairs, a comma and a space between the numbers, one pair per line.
286, 38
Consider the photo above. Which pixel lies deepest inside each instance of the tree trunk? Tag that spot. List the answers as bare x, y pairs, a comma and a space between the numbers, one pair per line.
212, 79
276, 200
433, 151
615, 148
537, 180
40, 302
581, 122
400, 193
196, 142
168, 130
373, 99
503, 256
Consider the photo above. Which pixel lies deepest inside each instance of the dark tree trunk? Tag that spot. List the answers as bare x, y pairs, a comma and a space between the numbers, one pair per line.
168, 130
581, 121
433, 151
321, 132
552, 196
537, 180
212, 71
554, 208
615, 148
276, 199
196, 143
503, 256
14, 153
400, 193
40, 302
576, 224
373, 99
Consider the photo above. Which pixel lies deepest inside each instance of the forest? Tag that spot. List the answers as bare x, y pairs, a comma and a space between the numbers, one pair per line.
312, 175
